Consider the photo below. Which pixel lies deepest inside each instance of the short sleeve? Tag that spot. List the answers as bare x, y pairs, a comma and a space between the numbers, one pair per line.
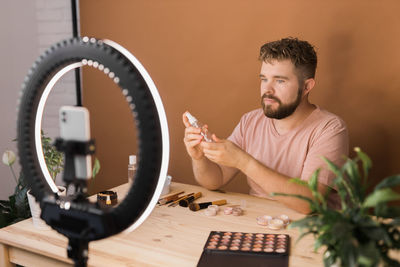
332, 143
237, 136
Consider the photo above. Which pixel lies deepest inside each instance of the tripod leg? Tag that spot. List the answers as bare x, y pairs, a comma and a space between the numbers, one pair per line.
78, 251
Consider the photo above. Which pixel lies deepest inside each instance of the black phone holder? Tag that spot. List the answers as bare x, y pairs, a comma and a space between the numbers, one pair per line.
70, 148
75, 216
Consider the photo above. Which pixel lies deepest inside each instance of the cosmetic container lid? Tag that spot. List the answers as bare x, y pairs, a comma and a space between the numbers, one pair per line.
191, 118
210, 212
213, 207
228, 210
284, 218
276, 224
264, 220
132, 159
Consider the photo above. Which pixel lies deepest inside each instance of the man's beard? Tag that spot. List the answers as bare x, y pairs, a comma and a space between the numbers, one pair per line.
283, 110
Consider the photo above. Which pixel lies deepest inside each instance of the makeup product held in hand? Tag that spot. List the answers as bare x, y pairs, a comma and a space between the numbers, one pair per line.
195, 123
245, 249
199, 206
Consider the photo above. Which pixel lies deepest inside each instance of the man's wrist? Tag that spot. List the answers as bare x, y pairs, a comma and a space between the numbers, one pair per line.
199, 160
244, 162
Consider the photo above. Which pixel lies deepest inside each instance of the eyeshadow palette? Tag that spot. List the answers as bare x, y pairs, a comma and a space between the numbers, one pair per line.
262, 249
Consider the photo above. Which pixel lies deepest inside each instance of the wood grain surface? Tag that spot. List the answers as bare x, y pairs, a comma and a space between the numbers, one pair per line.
171, 236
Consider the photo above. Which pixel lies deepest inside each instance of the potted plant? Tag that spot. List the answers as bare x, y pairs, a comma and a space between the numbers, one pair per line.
365, 229
18, 207
22, 205
54, 161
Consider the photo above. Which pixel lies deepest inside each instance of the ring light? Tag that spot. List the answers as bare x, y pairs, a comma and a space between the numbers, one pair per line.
77, 218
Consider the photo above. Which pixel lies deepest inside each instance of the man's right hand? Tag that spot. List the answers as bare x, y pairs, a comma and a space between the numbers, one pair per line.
192, 140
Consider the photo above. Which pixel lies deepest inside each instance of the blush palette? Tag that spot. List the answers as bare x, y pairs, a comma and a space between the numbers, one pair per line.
238, 247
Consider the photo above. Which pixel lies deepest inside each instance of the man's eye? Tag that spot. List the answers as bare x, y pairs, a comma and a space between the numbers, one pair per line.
280, 81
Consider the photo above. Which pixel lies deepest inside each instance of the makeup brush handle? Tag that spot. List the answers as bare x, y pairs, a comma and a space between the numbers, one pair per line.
219, 202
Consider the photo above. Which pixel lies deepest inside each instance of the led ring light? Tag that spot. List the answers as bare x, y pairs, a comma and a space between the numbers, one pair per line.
147, 108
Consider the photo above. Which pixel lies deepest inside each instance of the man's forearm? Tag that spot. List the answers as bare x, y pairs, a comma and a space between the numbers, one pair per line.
272, 181
207, 173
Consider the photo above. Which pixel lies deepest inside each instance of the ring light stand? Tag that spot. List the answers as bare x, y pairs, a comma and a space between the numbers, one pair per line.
74, 216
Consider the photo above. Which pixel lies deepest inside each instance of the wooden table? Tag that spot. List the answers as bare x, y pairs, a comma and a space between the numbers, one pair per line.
171, 236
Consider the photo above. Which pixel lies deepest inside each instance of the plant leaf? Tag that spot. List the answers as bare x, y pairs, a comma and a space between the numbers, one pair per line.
313, 182
384, 211
332, 166
390, 181
307, 222
380, 196
298, 181
96, 167
353, 175
366, 161
303, 235
309, 200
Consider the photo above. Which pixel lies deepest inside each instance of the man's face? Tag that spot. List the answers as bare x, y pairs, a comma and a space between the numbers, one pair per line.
281, 92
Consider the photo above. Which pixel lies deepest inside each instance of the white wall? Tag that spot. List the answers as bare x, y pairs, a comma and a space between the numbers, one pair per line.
27, 28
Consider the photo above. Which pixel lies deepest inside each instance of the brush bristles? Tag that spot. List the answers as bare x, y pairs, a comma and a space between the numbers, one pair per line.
194, 206
184, 203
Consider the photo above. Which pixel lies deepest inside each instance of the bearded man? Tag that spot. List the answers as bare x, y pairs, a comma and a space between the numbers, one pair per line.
285, 138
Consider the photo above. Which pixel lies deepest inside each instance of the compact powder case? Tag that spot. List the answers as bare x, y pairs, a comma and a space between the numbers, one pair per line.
107, 198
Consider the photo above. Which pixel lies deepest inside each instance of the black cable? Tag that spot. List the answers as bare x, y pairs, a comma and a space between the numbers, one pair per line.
75, 32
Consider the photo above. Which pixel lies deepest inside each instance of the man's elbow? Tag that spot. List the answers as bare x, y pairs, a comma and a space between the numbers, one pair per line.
300, 206
209, 186
304, 210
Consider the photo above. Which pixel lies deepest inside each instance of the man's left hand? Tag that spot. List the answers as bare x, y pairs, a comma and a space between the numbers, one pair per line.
224, 152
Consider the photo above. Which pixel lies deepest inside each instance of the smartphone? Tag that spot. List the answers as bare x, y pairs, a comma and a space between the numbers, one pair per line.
75, 126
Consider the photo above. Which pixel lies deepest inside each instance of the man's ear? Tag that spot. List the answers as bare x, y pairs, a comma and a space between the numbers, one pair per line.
308, 85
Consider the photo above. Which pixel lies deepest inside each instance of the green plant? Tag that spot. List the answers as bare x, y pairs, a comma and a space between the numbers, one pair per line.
365, 229
54, 158
16, 208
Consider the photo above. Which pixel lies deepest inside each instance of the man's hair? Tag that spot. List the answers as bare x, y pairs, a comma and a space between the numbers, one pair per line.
301, 54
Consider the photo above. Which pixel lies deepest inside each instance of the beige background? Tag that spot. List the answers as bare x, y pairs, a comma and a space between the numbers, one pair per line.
202, 56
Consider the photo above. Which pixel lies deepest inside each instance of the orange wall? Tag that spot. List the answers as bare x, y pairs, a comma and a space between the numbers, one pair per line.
202, 56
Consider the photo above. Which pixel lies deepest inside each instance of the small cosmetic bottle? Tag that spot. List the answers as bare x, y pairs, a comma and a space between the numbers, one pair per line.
195, 123
131, 168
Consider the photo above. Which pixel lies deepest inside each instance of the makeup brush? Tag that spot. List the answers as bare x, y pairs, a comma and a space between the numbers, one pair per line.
175, 202
169, 198
199, 206
185, 202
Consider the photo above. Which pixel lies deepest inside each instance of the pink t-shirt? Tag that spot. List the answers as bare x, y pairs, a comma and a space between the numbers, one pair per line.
298, 152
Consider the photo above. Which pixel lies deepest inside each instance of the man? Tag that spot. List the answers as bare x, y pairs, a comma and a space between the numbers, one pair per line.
285, 138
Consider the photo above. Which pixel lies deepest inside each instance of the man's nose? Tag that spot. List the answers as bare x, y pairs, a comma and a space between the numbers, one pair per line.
267, 88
